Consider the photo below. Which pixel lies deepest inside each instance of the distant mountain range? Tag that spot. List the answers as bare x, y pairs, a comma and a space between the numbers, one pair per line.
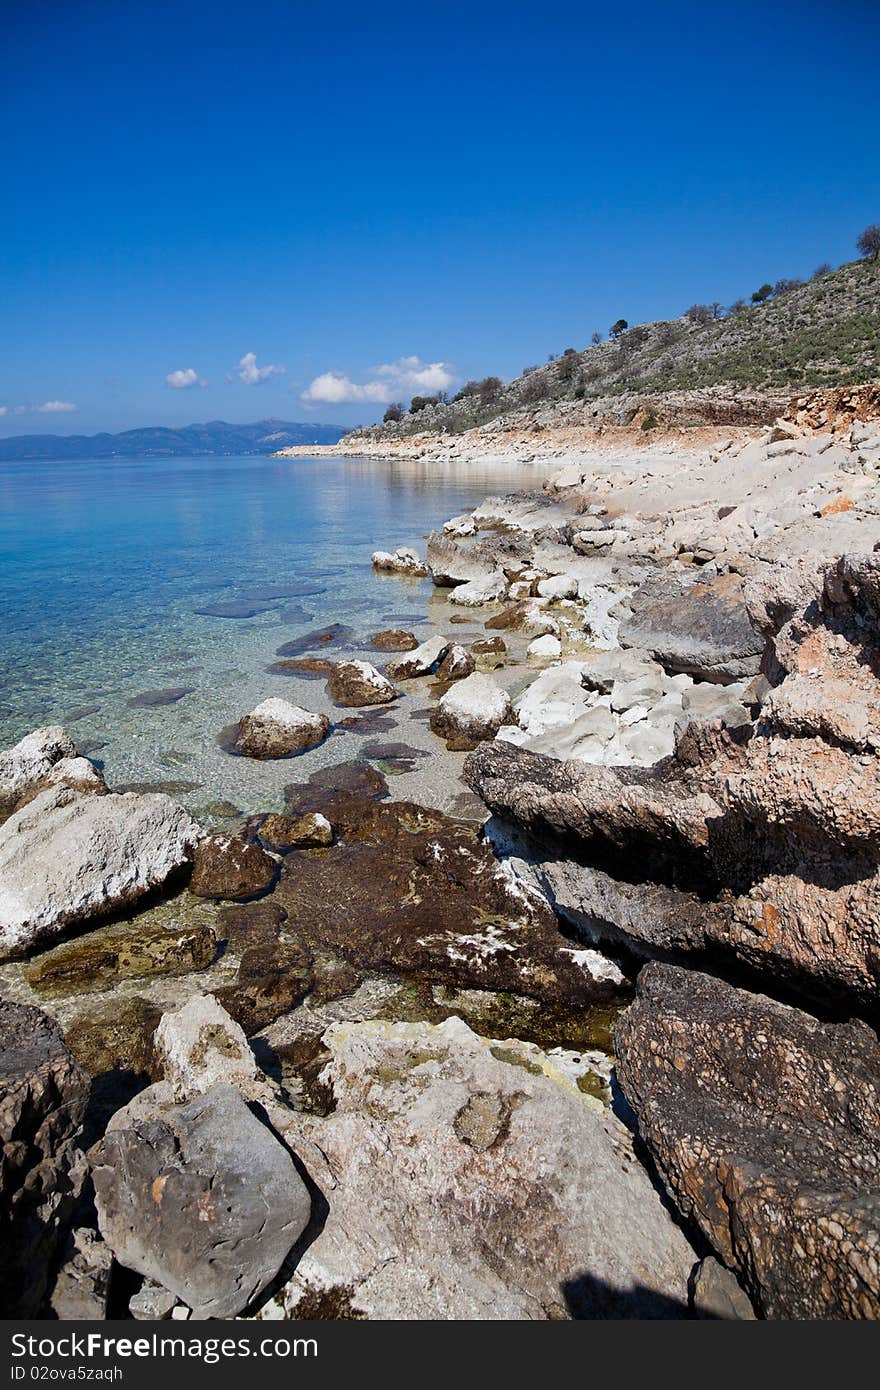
215, 437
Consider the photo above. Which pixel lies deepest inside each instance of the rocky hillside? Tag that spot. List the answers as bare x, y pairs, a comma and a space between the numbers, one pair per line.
738, 368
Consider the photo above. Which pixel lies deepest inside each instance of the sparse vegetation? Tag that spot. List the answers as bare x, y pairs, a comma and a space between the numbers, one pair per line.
393, 413
793, 335
868, 243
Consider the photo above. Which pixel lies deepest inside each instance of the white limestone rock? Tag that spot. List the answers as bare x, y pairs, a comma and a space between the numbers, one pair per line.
68, 857
538, 1205
473, 709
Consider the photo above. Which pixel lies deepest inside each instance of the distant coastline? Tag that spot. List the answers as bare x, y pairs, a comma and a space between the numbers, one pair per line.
215, 437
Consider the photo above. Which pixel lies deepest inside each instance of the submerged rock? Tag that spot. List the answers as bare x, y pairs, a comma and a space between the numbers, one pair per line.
474, 709
394, 640
409, 890
356, 777
352, 683
116, 1035
474, 1180
764, 1125
153, 699
67, 858
133, 949
43, 1096
336, 635
276, 729
199, 1197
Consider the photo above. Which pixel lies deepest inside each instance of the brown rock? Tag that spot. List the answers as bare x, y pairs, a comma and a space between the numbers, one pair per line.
272, 979
283, 833
116, 1035
358, 683
394, 639
412, 891
227, 867
765, 1126
456, 664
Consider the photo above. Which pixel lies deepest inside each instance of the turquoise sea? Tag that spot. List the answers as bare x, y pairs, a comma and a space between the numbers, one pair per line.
104, 565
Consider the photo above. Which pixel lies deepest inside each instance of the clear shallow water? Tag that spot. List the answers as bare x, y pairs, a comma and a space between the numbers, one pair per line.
104, 563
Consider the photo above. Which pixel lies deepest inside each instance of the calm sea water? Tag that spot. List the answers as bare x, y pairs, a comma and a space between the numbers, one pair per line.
104, 564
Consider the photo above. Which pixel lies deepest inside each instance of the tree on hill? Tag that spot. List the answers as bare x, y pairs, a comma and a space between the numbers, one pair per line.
762, 294
821, 270
619, 327
596, 338
699, 313
393, 413
868, 244
422, 402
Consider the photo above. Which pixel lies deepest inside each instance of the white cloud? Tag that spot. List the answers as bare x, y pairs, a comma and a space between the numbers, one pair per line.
334, 388
406, 377
252, 375
47, 408
184, 377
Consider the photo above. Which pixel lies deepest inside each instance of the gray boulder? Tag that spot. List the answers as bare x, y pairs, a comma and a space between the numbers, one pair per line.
199, 1197
702, 628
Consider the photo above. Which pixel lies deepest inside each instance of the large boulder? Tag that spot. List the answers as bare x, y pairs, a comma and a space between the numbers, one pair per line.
68, 857
277, 729
354, 683
765, 1128
199, 1197
473, 709
43, 1095
469, 1179
701, 628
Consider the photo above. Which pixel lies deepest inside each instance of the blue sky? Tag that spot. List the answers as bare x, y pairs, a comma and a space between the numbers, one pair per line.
383, 198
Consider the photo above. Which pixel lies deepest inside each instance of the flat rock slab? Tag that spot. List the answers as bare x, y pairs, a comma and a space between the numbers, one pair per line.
765, 1127
702, 629
235, 608
199, 1197
133, 949
151, 699
410, 890
320, 639
69, 857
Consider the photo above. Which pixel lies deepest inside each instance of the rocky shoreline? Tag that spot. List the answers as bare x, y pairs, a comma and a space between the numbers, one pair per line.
610, 1052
